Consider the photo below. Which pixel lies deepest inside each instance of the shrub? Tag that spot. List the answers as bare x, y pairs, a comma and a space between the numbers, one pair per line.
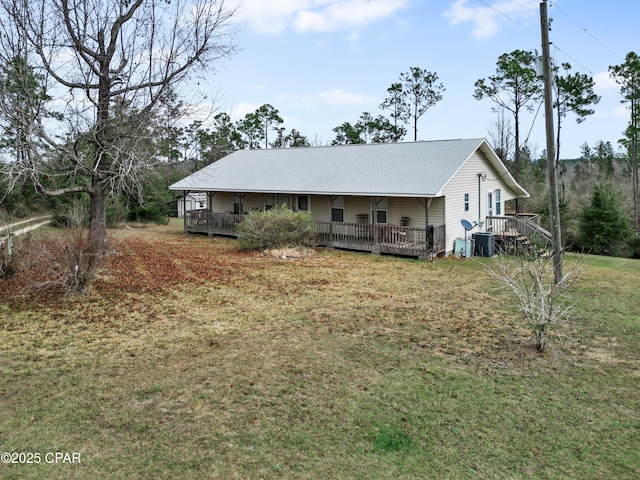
635, 247
605, 229
72, 261
151, 204
13, 252
157, 213
12, 248
74, 214
279, 227
116, 211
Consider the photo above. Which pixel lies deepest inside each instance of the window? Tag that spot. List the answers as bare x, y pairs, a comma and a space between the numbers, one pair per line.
498, 203
466, 202
303, 203
337, 209
379, 209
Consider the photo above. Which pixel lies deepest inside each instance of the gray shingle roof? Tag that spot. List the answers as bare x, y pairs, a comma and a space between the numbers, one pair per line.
410, 169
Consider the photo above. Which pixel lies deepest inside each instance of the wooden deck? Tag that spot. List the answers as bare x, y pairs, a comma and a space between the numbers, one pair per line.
381, 238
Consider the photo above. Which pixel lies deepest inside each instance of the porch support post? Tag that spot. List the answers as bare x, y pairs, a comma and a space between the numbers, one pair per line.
426, 203
331, 234
184, 210
331, 201
210, 196
375, 201
241, 198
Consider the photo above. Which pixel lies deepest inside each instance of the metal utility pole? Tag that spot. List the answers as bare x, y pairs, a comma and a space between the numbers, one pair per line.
552, 176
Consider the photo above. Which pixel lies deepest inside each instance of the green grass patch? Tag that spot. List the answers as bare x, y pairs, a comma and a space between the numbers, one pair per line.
193, 360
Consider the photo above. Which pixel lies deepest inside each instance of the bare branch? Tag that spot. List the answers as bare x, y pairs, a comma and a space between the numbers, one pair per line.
107, 65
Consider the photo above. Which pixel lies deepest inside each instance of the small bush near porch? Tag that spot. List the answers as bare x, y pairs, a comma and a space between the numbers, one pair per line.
194, 360
279, 227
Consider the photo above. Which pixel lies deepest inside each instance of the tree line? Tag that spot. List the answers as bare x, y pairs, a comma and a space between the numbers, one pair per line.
104, 122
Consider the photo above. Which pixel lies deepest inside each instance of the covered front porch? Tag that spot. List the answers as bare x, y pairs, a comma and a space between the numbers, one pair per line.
375, 238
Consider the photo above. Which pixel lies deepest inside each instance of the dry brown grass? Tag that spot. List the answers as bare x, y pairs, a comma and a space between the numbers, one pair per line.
194, 360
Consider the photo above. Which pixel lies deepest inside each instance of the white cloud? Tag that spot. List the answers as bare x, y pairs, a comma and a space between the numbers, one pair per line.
303, 16
269, 17
341, 98
239, 111
355, 35
604, 83
486, 20
334, 98
621, 112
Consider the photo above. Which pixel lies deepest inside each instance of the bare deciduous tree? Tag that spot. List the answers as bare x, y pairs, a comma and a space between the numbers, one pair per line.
542, 300
106, 65
500, 133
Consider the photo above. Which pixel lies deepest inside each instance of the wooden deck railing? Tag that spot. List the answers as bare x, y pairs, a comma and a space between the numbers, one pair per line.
514, 229
205, 221
395, 239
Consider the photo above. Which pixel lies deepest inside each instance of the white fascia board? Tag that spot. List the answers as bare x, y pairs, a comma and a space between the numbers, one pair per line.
328, 193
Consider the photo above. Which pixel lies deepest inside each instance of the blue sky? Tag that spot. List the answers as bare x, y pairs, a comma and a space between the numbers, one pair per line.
324, 62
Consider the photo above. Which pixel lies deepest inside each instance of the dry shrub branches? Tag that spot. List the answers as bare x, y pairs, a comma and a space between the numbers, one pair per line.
543, 302
70, 261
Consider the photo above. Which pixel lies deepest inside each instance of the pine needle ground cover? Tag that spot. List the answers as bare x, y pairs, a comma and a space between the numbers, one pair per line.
192, 359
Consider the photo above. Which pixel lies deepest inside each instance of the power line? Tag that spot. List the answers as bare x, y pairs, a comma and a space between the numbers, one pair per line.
524, 27
584, 29
605, 81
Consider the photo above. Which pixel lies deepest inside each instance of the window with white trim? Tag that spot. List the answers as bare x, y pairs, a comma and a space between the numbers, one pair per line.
303, 203
498, 202
466, 202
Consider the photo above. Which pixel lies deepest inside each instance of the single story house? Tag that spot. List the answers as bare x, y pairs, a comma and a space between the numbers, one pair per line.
406, 198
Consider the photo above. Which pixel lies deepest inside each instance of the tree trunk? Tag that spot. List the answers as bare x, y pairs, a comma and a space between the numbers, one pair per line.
634, 169
516, 158
98, 222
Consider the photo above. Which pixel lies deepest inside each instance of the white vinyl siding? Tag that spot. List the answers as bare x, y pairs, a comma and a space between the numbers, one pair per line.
222, 202
354, 206
466, 181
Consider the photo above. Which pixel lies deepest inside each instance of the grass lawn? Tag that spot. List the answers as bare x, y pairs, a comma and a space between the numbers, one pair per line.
191, 359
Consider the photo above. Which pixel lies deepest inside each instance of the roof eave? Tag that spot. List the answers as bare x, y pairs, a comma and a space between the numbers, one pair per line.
303, 192
502, 169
